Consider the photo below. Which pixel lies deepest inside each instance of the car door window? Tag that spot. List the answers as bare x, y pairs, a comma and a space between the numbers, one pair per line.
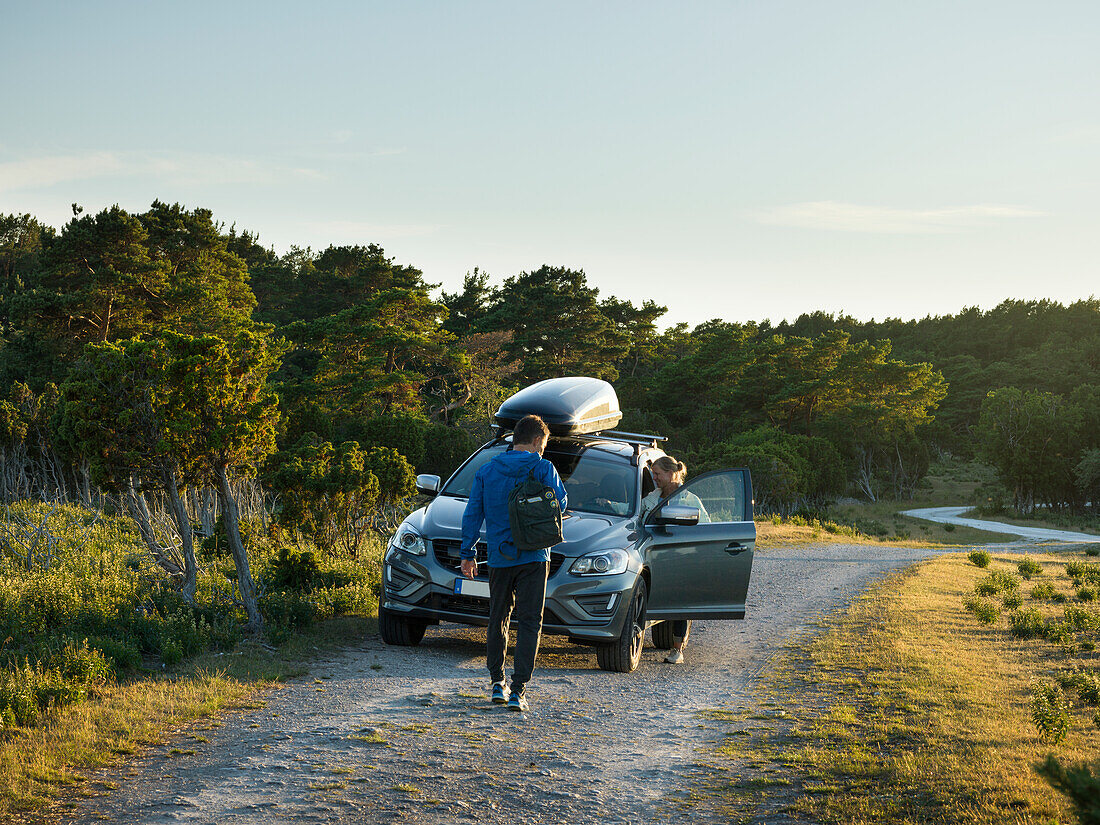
720, 497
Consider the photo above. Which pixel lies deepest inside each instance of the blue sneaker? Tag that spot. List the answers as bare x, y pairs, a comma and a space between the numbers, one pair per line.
498, 693
517, 702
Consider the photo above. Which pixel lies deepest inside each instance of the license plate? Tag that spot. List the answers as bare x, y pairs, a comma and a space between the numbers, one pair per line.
471, 587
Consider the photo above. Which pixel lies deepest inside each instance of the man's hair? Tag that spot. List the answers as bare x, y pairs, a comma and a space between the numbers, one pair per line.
530, 429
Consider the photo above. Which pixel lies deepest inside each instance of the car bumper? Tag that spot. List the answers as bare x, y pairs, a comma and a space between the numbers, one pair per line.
592, 608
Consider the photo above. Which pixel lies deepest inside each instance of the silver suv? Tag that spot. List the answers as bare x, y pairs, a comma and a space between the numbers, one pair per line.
613, 575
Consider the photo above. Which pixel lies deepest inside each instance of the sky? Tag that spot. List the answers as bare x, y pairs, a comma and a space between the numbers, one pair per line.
743, 160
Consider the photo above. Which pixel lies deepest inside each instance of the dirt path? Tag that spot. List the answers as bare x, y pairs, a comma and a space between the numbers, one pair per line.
954, 515
381, 734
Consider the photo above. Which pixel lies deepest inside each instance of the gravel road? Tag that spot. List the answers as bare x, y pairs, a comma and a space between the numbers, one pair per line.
954, 515
383, 734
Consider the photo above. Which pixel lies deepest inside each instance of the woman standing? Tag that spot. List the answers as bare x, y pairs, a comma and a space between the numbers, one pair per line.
668, 474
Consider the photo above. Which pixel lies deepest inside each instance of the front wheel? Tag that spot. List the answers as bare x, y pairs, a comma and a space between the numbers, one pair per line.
624, 654
396, 629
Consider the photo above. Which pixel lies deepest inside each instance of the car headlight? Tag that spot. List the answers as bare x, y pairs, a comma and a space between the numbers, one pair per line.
408, 540
602, 563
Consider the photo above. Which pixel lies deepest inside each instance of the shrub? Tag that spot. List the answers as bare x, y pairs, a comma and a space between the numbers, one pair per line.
1085, 683
986, 611
1013, 600
293, 570
996, 582
1029, 567
980, 558
1027, 623
1086, 594
1080, 783
1050, 712
1080, 618
1083, 573
1043, 591
1092, 550
950, 528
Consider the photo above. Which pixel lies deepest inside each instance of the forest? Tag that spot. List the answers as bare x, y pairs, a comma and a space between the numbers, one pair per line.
171, 369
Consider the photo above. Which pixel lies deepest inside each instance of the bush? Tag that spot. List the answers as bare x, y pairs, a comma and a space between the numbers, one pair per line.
1083, 573
1043, 591
1086, 594
980, 558
986, 611
1092, 550
1080, 618
1013, 600
996, 582
1080, 783
293, 570
1027, 623
1029, 568
1050, 713
1085, 683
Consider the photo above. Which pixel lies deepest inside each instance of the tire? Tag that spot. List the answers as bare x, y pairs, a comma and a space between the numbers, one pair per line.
396, 629
623, 655
662, 635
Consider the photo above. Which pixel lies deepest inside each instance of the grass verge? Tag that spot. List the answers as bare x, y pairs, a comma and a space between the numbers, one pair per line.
39, 764
906, 531
903, 709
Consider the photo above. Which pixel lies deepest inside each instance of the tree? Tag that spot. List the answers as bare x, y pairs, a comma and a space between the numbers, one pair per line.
223, 416
113, 413
376, 356
331, 494
558, 327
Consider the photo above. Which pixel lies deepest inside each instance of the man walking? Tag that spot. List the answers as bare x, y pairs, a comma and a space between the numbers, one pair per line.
517, 578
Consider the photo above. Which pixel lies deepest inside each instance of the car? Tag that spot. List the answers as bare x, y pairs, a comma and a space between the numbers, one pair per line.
615, 573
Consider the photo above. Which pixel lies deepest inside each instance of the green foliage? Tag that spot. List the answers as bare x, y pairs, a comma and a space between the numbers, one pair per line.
1037, 440
1043, 591
1050, 712
1080, 783
1083, 572
332, 495
1029, 568
1086, 594
1012, 600
980, 558
986, 611
1027, 623
787, 470
997, 582
294, 570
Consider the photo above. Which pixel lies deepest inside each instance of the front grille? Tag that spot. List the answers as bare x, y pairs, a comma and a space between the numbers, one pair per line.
447, 553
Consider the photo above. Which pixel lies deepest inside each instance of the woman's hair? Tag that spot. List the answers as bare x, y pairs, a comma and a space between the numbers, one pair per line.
671, 465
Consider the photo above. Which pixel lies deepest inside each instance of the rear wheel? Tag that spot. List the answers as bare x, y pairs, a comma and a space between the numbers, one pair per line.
623, 654
662, 635
396, 629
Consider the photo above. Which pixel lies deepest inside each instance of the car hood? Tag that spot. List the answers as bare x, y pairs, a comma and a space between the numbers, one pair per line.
581, 532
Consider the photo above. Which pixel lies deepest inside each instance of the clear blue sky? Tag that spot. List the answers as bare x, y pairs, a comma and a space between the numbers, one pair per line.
729, 159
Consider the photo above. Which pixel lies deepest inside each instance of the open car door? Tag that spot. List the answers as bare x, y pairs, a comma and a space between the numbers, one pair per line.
701, 570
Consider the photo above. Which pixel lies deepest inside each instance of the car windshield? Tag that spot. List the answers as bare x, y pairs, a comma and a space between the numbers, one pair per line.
596, 481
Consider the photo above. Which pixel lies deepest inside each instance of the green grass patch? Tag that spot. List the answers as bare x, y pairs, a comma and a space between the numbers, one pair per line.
909, 707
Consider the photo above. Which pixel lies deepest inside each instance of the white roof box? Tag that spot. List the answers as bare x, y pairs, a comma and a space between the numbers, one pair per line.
569, 406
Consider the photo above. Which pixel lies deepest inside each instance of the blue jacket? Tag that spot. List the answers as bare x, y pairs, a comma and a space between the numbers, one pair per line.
488, 503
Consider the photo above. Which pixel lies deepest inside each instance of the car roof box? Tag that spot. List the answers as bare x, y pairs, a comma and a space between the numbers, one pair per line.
569, 406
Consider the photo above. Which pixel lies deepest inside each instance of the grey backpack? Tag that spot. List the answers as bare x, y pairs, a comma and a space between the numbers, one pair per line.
534, 514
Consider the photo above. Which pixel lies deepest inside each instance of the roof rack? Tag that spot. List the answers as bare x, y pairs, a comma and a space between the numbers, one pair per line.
634, 438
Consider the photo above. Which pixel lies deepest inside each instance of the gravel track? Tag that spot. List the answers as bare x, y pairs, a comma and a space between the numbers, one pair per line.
385, 734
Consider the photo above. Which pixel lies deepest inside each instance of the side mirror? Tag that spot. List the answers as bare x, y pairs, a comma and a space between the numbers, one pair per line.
428, 484
676, 514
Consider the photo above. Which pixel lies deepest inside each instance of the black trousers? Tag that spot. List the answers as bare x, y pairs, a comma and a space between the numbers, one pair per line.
523, 589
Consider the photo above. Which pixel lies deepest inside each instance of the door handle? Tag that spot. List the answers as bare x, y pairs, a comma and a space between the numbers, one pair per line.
735, 547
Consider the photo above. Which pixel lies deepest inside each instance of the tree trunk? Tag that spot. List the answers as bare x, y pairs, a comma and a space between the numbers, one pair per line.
240, 557
139, 509
183, 526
